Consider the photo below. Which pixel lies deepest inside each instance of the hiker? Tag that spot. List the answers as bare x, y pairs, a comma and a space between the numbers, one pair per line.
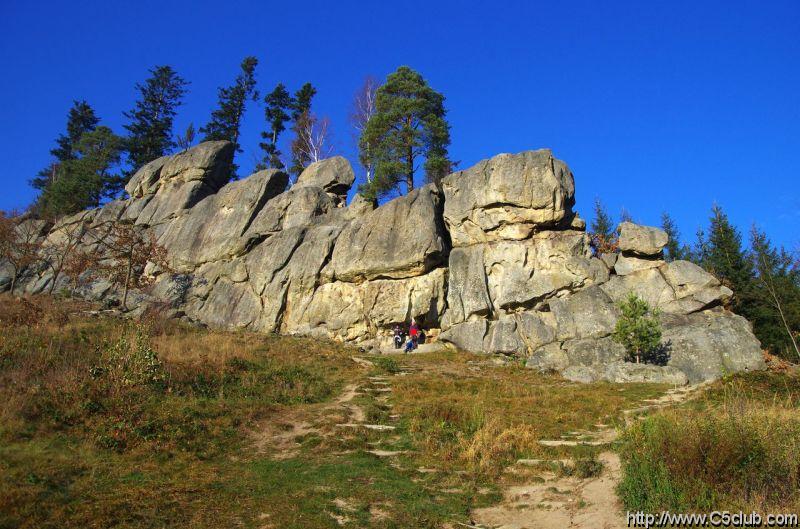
413, 332
409, 346
398, 337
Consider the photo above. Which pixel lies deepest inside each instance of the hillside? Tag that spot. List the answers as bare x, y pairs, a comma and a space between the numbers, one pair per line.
111, 423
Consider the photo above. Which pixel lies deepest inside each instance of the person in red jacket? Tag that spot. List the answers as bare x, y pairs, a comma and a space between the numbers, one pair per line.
413, 332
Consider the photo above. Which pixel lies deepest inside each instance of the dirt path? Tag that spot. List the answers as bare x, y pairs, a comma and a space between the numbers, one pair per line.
551, 500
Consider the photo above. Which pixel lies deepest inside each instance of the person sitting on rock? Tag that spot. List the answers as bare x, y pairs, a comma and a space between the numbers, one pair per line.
398, 337
409, 345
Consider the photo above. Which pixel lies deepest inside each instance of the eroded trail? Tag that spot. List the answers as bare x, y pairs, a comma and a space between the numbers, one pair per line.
549, 499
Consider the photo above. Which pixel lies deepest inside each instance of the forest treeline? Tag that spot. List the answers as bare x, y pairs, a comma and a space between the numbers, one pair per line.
400, 126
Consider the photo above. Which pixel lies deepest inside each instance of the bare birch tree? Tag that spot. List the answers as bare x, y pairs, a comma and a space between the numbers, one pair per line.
313, 141
363, 109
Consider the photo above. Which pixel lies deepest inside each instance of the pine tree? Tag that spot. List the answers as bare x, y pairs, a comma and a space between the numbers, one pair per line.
86, 179
675, 250
408, 123
602, 233
301, 117
150, 126
278, 105
227, 118
638, 329
80, 119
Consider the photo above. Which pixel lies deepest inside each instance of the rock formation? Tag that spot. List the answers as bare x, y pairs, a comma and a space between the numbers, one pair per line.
495, 261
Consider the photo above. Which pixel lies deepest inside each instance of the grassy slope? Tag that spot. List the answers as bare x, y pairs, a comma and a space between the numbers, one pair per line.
109, 424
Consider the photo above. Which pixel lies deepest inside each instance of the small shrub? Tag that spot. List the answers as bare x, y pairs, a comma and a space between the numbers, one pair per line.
583, 468
130, 361
638, 329
387, 364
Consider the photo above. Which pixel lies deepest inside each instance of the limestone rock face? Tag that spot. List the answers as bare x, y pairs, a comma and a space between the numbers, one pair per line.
494, 261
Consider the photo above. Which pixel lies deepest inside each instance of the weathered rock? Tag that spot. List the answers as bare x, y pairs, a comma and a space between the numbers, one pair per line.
626, 265
549, 358
641, 240
536, 329
185, 179
467, 291
399, 239
503, 338
145, 180
648, 284
213, 228
496, 260
334, 175
609, 259
709, 344
589, 313
507, 197
467, 336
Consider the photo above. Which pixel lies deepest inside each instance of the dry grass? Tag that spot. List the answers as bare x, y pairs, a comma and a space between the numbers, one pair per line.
461, 408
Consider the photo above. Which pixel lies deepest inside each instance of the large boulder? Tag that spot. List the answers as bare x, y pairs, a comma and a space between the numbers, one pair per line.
641, 240
334, 175
507, 197
709, 344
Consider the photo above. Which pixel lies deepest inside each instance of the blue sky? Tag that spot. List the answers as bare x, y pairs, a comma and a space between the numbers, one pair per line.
654, 105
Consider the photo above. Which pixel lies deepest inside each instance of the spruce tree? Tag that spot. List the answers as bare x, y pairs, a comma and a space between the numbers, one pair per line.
227, 117
301, 117
408, 124
80, 119
150, 120
602, 230
722, 255
675, 250
278, 105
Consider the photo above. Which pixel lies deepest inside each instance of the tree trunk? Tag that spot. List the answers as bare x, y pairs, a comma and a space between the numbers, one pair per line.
127, 282
786, 324
410, 173
56, 273
13, 282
